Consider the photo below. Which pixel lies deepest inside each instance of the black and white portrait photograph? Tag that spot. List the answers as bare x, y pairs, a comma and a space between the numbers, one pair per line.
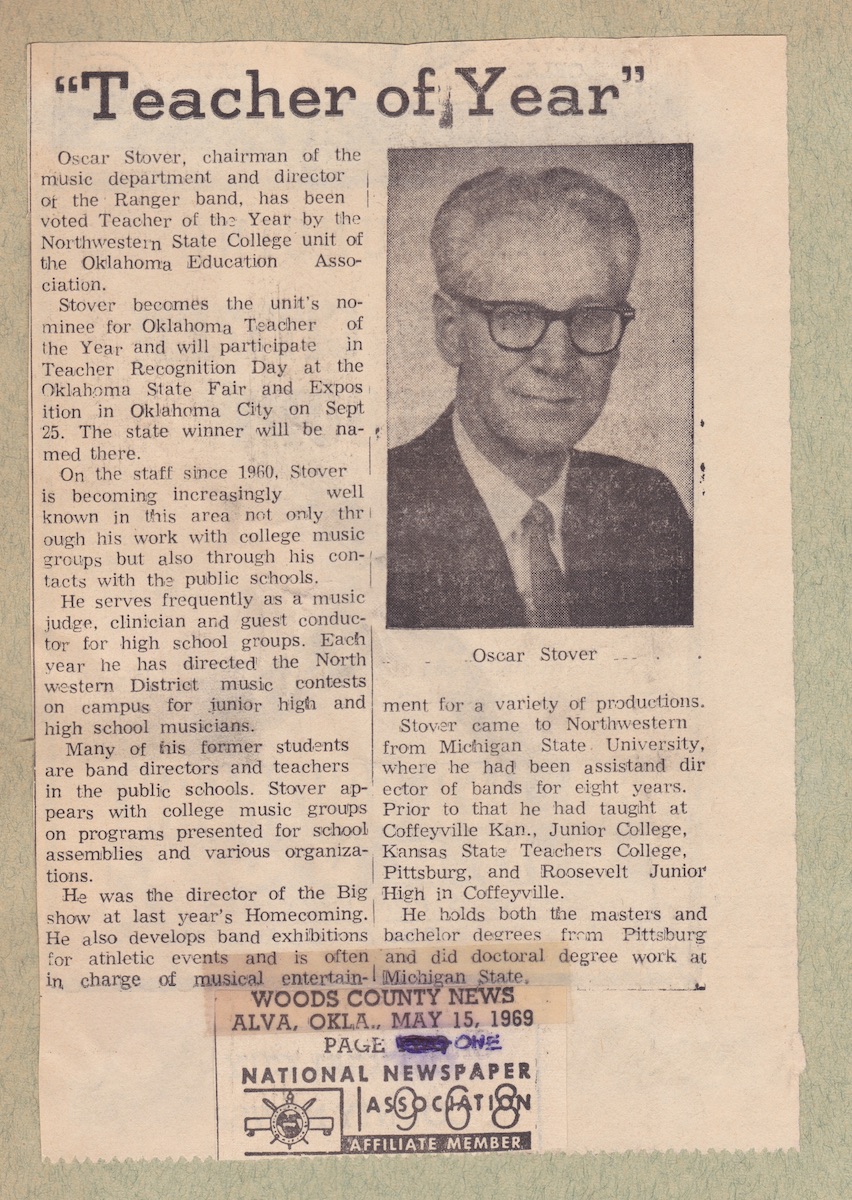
540, 376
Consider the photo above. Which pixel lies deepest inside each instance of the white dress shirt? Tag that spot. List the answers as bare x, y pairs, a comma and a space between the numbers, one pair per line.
508, 504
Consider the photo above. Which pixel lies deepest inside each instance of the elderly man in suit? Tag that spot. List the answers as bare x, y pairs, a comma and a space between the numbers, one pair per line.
495, 520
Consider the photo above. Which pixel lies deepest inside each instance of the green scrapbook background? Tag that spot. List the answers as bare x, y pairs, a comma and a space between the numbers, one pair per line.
820, 109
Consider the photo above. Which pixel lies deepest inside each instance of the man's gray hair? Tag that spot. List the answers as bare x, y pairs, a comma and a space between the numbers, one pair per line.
555, 194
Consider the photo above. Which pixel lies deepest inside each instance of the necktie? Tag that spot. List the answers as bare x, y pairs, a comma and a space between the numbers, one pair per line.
547, 583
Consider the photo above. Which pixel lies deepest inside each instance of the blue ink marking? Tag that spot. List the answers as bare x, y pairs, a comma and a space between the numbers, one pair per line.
420, 1043
426, 1043
478, 1041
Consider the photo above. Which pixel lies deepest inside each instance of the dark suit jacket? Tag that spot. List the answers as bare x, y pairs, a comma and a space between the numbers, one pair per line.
627, 542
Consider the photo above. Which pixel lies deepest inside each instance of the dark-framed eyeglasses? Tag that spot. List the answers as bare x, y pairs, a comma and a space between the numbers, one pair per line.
594, 329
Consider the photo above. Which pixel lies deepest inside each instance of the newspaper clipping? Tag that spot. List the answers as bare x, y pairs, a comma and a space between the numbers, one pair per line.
412, 598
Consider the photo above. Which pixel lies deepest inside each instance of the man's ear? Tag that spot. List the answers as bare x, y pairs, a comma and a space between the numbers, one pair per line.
447, 329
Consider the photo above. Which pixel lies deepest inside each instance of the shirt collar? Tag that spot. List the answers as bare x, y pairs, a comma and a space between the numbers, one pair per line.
506, 502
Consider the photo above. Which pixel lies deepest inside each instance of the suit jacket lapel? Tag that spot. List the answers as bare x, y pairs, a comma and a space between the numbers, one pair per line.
468, 566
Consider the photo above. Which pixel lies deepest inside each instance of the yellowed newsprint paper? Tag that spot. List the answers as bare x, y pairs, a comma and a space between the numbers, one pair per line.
412, 598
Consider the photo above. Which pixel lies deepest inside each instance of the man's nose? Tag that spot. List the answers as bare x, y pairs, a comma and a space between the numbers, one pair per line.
555, 354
